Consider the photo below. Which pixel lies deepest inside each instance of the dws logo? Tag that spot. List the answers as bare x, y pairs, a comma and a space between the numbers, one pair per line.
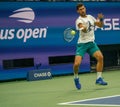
25, 15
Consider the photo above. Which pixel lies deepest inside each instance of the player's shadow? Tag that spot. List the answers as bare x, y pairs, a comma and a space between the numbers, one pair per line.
87, 90
101, 88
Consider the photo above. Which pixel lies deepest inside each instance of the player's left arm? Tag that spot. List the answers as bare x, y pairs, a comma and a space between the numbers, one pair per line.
100, 23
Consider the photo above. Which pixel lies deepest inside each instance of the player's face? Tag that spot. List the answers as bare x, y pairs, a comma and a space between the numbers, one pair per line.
82, 11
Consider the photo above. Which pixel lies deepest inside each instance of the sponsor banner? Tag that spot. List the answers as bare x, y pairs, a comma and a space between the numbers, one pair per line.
41, 74
35, 29
26, 23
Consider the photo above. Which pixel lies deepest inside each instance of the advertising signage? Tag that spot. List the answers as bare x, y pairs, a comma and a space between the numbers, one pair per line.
35, 29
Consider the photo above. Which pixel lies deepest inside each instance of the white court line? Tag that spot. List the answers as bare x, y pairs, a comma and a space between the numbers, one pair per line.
71, 103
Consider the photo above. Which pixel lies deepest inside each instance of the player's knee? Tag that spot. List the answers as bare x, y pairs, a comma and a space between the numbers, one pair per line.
76, 65
100, 57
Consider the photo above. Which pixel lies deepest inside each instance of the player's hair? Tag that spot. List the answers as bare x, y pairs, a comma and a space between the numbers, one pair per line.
79, 5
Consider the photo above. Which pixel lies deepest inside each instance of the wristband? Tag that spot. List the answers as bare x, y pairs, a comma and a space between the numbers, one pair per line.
101, 19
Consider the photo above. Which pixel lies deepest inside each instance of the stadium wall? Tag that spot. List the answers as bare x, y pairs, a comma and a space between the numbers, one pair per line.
31, 36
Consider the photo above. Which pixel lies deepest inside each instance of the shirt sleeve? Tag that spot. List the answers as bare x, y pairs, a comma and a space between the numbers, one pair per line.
77, 22
93, 18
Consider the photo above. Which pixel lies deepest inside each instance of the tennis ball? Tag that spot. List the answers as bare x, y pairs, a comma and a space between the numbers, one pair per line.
73, 32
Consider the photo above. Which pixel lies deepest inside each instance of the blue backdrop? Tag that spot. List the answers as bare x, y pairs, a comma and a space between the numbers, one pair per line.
35, 29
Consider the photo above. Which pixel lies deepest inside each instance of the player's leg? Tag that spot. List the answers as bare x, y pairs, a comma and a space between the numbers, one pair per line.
77, 62
96, 53
81, 49
99, 67
99, 57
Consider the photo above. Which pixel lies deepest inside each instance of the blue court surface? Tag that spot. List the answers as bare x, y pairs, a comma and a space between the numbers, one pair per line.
101, 101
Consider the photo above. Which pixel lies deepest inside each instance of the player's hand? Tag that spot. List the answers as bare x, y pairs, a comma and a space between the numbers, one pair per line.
100, 16
82, 27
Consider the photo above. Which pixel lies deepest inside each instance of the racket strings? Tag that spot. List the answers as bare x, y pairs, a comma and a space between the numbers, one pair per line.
67, 35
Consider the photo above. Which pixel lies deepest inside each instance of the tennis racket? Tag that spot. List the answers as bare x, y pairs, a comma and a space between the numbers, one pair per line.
69, 34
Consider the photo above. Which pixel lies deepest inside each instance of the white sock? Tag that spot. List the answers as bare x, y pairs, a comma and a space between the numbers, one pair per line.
99, 74
75, 75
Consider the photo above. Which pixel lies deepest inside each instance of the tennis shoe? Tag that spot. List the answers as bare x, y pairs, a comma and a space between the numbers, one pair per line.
100, 81
77, 83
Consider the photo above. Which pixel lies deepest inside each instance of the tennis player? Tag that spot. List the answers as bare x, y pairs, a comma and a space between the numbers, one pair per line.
86, 25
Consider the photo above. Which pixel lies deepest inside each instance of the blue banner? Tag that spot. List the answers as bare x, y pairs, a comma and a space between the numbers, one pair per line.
26, 23
35, 29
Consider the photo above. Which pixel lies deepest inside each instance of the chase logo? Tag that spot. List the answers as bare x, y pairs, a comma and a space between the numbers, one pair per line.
25, 15
41, 74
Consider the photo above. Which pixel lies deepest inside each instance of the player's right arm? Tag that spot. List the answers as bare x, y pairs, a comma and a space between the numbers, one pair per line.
82, 27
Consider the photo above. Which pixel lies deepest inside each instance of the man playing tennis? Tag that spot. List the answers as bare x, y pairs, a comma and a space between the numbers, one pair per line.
86, 24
